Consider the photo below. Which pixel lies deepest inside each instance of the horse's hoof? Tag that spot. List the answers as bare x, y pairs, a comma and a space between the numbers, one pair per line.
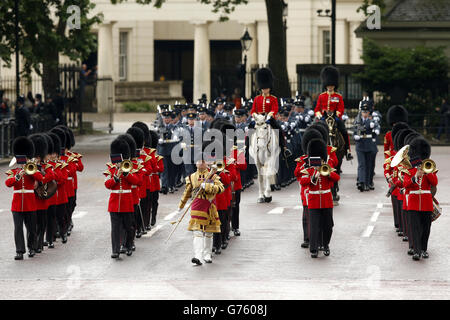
261, 200
335, 203
268, 199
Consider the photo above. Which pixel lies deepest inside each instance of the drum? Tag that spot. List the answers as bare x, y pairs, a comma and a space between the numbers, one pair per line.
437, 210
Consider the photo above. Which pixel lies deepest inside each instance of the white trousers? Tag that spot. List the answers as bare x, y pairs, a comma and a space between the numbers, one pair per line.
203, 245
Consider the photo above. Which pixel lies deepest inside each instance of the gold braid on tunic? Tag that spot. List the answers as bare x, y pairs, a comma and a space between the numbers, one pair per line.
202, 220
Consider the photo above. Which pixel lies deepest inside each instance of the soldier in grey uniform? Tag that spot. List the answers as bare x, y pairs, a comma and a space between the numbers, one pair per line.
202, 118
165, 146
191, 143
366, 146
220, 108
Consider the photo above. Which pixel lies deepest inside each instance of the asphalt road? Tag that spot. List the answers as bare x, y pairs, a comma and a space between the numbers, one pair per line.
367, 261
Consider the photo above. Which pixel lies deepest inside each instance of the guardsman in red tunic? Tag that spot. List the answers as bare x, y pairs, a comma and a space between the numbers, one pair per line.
222, 203
121, 207
240, 165
332, 103
158, 168
395, 115
267, 104
23, 206
420, 200
320, 200
299, 173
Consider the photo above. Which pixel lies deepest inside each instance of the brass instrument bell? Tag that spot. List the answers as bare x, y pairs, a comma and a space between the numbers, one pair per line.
30, 168
126, 166
325, 169
428, 166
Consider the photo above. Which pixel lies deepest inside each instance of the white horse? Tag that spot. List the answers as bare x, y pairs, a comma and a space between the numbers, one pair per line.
264, 149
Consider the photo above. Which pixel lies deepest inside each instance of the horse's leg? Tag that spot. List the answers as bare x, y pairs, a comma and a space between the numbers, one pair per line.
260, 182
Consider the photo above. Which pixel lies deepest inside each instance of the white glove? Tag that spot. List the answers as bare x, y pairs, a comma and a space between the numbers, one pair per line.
310, 113
376, 119
183, 145
283, 127
377, 132
225, 114
31, 127
372, 125
175, 137
292, 125
301, 117
297, 117
246, 129
57, 120
203, 185
357, 137
345, 117
307, 118
160, 140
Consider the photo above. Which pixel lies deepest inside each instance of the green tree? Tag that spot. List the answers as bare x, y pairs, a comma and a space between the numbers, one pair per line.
367, 3
43, 36
277, 35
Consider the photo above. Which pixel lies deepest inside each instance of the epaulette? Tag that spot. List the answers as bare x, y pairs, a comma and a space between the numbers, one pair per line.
48, 166
160, 157
271, 95
140, 166
333, 149
304, 171
298, 159
388, 160
10, 172
64, 165
106, 173
388, 152
152, 150
235, 148
57, 165
110, 165
147, 158
338, 94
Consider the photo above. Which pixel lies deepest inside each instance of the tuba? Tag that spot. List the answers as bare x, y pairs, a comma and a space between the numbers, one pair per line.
402, 158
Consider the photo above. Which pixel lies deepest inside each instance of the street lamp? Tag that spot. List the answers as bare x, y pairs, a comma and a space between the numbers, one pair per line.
246, 43
16, 31
331, 14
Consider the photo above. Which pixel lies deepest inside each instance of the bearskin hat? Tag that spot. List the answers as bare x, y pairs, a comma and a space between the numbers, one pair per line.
147, 138
397, 127
128, 138
120, 146
138, 136
419, 149
264, 78
56, 142
70, 139
396, 114
410, 137
309, 135
155, 139
330, 77
323, 131
317, 148
61, 135
23, 146
40, 145
49, 142
399, 140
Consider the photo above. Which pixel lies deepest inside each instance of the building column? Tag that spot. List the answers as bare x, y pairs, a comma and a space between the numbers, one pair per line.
342, 42
356, 44
105, 89
252, 55
202, 61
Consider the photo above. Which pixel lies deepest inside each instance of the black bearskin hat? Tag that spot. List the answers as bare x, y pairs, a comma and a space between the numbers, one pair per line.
62, 137
419, 149
147, 138
155, 139
264, 78
128, 138
321, 129
23, 146
56, 142
40, 145
397, 127
330, 77
309, 135
49, 142
120, 146
138, 136
410, 137
70, 139
396, 114
317, 148
399, 140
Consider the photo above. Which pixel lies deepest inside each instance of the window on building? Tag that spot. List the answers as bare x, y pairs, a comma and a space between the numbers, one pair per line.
326, 46
123, 55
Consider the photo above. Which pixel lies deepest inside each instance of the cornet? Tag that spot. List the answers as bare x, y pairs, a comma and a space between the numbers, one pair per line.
325, 170
30, 168
126, 166
428, 166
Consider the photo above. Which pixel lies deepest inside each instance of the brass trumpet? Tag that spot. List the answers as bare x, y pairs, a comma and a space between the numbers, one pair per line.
220, 166
30, 168
126, 166
325, 170
428, 166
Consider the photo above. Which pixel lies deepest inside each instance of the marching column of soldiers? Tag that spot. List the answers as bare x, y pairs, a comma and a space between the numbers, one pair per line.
411, 176
45, 184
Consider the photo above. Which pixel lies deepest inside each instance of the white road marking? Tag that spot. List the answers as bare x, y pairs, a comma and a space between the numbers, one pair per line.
153, 231
170, 215
297, 207
368, 231
79, 214
2, 210
375, 216
379, 205
277, 210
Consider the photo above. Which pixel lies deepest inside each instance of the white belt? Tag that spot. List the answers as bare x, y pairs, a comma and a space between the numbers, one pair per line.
319, 191
133, 187
153, 174
23, 191
121, 191
70, 178
419, 191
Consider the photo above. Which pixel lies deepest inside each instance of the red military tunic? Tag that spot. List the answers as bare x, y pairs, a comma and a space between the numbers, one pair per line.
62, 175
24, 199
144, 159
336, 103
240, 165
332, 158
154, 177
319, 194
263, 104
43, 204
299, 175
388, 145
419, 197
71, 173
80, 167
121, 198
57, 177
222, 199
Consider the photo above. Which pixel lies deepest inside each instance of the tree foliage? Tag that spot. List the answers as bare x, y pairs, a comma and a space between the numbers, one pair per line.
43, 35
367, 3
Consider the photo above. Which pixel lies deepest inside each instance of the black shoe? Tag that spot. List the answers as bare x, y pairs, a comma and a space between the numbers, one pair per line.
148, 228
51, 245
38, 250
45, 243
31, 253
133, 247
19, 256
366, 187
305, 244
217, 250
326, 251
68, 233
360, 186
400, 234
405, 238
277, 187
196, 261
410, 252
153, 222
320, 248
224, 245
425, 255
64, 239
122, 249
397, 230
171, 190
272, 187
144, 232
268, 199
237, 233
228, 237
349, 156
138, 234
57, 235
371, 186
129, 252
115, 256
314, 254
416, 257
71, 227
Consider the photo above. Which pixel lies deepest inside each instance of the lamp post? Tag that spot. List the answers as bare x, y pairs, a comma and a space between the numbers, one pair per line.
285, 14
16, 31
246, 42
331, 14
